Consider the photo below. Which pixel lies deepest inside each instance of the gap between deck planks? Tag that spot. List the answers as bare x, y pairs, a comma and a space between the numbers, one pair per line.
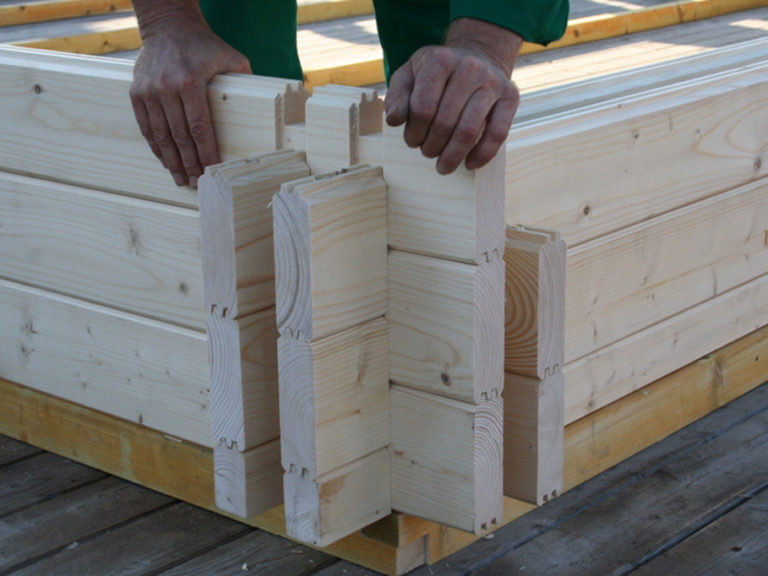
593, 444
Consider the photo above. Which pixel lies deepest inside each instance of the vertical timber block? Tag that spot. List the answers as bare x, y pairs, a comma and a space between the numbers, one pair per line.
447, 459
533, 437
456, 217
248, 483
535, 302
446, 326
331, 252
336, 118
331, 279
238, 286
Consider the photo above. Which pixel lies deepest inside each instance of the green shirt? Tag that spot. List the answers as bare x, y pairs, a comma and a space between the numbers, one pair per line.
265, 30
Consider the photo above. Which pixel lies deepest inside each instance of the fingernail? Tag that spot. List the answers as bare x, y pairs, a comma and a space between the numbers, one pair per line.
179, 179
193, 182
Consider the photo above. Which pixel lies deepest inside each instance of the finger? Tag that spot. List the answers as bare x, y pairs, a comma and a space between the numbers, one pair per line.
495, 133
398, 95
430, 80
142, 119
464, 86
200, 129
466, 132
177, 124
161, 136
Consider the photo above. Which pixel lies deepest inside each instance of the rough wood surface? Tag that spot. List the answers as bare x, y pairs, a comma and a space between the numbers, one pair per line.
135, 368
125, 253
330, 252
533, 437
447, 459
612, 372
84, 511
624, 282
446, 326
67, 118
535, 271
713, 128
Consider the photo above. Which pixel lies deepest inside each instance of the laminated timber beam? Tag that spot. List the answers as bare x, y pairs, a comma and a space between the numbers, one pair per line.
399, 543
238, 273
331, 284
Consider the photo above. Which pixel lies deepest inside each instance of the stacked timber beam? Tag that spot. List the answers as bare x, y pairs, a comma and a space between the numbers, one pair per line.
617, 197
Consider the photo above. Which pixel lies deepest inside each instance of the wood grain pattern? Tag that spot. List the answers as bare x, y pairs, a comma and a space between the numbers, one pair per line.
533, 437
330, 252
334, 398
535, 270
131, 367
66, 119
125, 253
458, 217
446, 326
566, 177
612, 372
624, 282
248, 483
336, 118
456, 482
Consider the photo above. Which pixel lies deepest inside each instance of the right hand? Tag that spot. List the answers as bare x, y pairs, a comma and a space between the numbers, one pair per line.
170, 95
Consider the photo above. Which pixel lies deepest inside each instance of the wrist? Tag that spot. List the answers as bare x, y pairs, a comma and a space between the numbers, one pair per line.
498, 44
161, 18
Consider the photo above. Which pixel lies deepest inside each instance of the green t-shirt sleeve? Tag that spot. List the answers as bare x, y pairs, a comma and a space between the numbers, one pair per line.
539, 21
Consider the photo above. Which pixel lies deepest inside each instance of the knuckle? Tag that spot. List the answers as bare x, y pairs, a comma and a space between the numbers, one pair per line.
198, 130
179, 134
465, 136
162, 137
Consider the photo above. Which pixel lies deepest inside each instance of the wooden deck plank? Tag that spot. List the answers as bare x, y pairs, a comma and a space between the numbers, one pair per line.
621, 484
256, 553
661, 503
165, 538
732, 544
30, 481
87, 510
12, 450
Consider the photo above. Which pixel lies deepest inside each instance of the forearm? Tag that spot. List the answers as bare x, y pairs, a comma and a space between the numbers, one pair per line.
498, 44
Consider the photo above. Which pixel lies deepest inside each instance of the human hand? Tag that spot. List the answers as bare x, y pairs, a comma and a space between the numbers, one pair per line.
169, 93
457, 100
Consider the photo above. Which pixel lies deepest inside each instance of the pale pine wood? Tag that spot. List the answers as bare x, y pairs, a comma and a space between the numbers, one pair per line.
322, 510
336, 118
126, 253
236, 230
67, 118
131, 367
248, 483
535, 270
330, 252
546, 102
334, 398
563, 174
447, 459
457, 217
624, 282
533, 437
243, 379
617, 370
446, 322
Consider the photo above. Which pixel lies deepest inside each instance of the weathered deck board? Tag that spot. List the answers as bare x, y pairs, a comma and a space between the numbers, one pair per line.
258, 553
33, 480
12, 450
92, 508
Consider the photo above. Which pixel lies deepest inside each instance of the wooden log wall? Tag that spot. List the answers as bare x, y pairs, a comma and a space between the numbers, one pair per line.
638, 246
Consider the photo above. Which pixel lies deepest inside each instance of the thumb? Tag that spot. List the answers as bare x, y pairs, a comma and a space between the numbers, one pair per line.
399, 95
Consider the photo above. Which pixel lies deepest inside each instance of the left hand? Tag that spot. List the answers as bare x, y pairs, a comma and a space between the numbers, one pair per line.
457, 100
